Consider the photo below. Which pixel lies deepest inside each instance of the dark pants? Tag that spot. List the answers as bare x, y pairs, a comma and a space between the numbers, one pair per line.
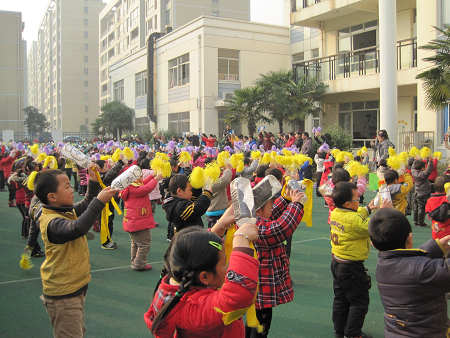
2, 180
75, 179
68, 172
33, 237
419, 209
410, 199
351, 286
25, 224
265, 319
308, 173
12, 192
170, 230
212, 220
318, 178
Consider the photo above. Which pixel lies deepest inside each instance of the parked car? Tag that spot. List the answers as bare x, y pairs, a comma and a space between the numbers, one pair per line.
72, 139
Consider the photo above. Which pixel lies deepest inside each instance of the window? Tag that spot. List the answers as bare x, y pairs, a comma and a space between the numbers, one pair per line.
125, 25
228, 65
134, 50
215, 0
168, 19
103, 102
86, 83
104, 74
86, 22
125, 6
104, 59
86, 46
86, 96
357, 37
134, 17
118, 90
298, 57
86, 71
86, 34
126, 42
105, 89
215, 13
86, 122
179, 71
86, 9
86, 109
179, 122
86, 58
314, 53
150, 6
134, 35
141, 83
151, 25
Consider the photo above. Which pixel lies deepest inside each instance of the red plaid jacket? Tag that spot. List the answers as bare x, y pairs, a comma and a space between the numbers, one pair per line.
275, 286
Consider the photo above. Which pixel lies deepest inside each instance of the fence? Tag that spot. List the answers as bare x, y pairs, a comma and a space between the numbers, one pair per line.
418, 139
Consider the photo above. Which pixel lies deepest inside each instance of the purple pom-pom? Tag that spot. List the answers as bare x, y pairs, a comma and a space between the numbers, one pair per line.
319, 129
228, 148
141, 147
20, 146
110, 144
101, 146
121, 147
261, 147
47, 150
61, 145
178, 151
136, 155
146, 148
324, 147
117, 144
314, 130
196, 149
14, 144
274, 148
171, 145
254, 147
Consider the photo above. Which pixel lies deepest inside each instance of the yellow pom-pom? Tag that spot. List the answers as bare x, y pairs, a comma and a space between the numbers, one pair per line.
437, 155
212, 171
265, 159
334, 152
414, 152
285, 161
30, 180
425, 152
403, 157
157, 165
240, 167
359, 153
394, 162
287, 152
255, 155
340, 157
197, 178
447, 187
25, 262
116, 155
185, 157
128, 153
41, 157
50, 160
357, 169
234, 161
105, 157
222, 158
34, 149
391, 152
299, 160
364, 149
166, 170
162, 156
349, 155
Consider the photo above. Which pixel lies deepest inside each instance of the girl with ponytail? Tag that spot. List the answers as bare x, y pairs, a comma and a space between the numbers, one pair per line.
197, 295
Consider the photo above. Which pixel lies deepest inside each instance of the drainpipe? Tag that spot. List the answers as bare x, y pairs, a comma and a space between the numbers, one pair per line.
19, 26
199, 100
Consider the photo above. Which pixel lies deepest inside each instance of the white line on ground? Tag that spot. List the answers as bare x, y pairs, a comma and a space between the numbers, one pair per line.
313, 239
92, 271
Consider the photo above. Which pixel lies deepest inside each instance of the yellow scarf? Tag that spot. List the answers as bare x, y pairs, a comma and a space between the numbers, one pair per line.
308, 207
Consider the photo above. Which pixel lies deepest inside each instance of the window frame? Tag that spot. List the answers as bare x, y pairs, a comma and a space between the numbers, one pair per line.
177, 70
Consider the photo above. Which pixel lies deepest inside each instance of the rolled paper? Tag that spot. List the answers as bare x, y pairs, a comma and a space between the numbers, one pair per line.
75, 155
294, 185
243, 201
383, 195
326, 190
126, 178
265, 190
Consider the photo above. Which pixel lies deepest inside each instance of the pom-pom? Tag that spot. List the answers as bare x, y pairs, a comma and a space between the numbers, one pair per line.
185, 157
166, 170
425, 152
25, 262
135, 153
447, 187
47, 150
30, 180
285, 161
255, 155
100, 146
391, 151
61, 145
319, 129
437, 155
116, 156
110, 144
287, 152
105, 157
212, 172
265, 159
414, 152
254, 147
238, 145
171, 145
20, 146
128, 153
340, 157
34, 149
394, 162
234, 160
51, 161
162, 156
356, 169
197, 178
240, 167
324, 147
335, 152
222, 158
157, 165
41, 157
141, 147
403, 157
359, 152
228, 149
314, 130
95, 157
274, 148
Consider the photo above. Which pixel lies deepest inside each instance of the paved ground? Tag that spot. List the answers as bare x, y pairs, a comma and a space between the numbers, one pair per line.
118, 297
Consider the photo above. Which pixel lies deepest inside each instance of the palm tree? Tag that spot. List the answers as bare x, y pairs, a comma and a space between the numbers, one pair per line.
246, 107
117, 116
436, 80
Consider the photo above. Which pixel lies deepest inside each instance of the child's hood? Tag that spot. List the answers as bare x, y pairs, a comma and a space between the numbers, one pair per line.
395, 189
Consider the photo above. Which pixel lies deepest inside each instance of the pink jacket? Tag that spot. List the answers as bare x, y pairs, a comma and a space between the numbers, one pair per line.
155, 193
138, 210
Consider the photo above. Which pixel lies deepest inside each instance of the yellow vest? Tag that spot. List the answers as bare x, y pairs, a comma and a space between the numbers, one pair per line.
349, 234
66, 268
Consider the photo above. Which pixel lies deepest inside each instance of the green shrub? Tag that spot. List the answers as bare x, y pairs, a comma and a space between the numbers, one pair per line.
442, 165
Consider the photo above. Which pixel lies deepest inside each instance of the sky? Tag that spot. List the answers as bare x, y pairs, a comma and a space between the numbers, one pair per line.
266, 11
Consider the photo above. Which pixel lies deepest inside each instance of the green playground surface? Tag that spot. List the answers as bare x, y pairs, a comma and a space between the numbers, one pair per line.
118, 297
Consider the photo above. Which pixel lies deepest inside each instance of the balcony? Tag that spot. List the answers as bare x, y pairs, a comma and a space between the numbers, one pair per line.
356, 63
309, 13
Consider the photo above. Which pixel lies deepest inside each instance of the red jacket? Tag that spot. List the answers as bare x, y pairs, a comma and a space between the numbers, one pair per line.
326, 171
209, 141
138, 210
6, 164
196, 315
290, 142
20, 193
437, 208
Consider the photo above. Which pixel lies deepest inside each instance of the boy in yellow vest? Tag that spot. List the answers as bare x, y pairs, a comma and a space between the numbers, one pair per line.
65, 272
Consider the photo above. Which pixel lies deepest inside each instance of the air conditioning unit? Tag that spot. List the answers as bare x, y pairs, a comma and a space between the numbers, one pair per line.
227, 96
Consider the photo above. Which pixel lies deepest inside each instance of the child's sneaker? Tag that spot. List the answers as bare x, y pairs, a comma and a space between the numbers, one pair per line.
147, 267
337, 335
109, 246
363, 335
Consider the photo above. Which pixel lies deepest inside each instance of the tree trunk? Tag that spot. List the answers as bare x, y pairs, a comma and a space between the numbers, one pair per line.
280, 125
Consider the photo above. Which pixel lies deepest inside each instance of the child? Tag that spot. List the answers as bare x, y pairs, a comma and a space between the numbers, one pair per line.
260, 173
16, 180
398, 191
155, 194
381, 170
83, 177
350, 248
65, 272
192, 298
438, 209
219, 199
249, 168
423, 190
410, 196
138, 219
276, 222
412, 283
319, 159
180, 209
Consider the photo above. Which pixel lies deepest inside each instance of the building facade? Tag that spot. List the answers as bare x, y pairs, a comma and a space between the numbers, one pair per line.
126, 25
65, 83
13, 72
196, 68
340, 42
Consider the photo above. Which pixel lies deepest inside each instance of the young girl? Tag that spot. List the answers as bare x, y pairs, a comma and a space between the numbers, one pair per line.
155, 194
197, 295
138, 219
83, 176
15, 180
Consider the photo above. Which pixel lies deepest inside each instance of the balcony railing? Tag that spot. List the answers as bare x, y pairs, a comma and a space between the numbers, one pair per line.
356, 63
297, 5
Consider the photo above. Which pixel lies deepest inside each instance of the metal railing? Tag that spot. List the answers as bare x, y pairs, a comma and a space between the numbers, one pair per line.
355, 63
418, 139
297, 5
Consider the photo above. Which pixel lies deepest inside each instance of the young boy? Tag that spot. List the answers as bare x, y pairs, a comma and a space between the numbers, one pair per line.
179, 207
398, 191
423, 190
65, 272
412, 283
438, 209
350, 248
276, 222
